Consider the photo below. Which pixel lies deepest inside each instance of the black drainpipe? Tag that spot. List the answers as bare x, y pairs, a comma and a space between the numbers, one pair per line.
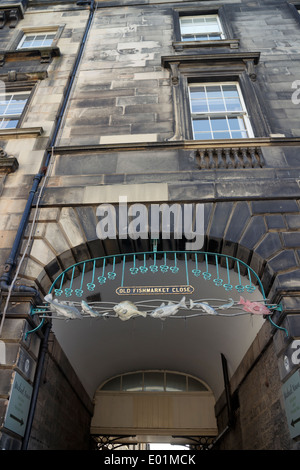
6, 278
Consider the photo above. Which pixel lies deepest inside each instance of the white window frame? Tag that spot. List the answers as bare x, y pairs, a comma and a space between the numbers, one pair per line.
6, 116
243, 113
36, 34
192, 17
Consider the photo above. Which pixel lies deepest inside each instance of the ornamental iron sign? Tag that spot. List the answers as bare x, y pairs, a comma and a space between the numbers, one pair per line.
157, 284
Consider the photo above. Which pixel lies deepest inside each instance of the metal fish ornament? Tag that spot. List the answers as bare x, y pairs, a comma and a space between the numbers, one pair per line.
254, 307
87, 309
226, 306
166, 310
126, 310
61, 309
203, 306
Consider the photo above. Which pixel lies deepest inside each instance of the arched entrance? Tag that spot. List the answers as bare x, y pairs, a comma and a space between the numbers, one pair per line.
103, 344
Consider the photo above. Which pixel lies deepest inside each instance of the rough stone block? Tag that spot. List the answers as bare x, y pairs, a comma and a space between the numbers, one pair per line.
283, 261
55, 238
291, 239
275, 221
254, 231
6, 380
269, 207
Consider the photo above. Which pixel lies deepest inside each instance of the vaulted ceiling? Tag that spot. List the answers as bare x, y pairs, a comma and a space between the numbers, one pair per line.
99, 348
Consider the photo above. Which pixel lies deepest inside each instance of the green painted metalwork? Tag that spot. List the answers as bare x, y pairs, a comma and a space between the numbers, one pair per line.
102, 270
165, 265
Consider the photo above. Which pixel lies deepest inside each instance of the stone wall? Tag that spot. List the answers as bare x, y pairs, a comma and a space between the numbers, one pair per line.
60, 392
125, 131
60, 395
257, 402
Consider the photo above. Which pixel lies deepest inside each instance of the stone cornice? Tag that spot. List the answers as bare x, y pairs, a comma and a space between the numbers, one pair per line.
210, 58
225, 60
183, 144
19, 133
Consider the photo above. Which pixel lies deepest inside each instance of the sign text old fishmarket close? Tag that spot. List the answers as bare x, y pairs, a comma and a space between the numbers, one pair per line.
148, 290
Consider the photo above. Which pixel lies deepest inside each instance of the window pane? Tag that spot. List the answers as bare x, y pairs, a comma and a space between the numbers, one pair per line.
132, 382
185, 21
20, 97
30, 37
175, 383
213, 107
16, 104
37, 40
203, 136
201, 125
219, 124
233, 105
153, 382
239, 134
11, 107
200, 28
236, 123
199, 106
199, 19
209, 28
196, 386
14, 108
216, 105
230, 91
214, 37
214, 91
198, 92
221, 135
112, 385
211, 19
8, 123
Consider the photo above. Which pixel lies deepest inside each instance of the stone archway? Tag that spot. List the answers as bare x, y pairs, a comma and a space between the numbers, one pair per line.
263, 234
254, 232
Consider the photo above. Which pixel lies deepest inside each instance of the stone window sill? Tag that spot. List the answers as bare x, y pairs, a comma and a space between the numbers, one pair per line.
20, 133
181, 45
45, 54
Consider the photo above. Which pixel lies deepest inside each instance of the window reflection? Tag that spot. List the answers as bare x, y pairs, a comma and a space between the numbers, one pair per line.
175, 383
195, 385
154, 381
132, 382
113, 385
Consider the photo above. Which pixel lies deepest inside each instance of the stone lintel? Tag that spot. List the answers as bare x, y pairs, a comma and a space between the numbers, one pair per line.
20, 133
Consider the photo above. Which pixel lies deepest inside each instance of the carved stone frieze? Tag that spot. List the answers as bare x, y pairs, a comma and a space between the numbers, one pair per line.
11, 13
44, 55
8, 164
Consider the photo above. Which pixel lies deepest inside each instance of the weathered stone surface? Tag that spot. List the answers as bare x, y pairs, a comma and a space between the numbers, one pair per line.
123, 101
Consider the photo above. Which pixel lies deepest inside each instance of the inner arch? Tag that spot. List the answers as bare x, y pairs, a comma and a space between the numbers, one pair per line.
100, 348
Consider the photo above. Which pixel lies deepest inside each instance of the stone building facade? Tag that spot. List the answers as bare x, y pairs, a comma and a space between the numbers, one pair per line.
110, 106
